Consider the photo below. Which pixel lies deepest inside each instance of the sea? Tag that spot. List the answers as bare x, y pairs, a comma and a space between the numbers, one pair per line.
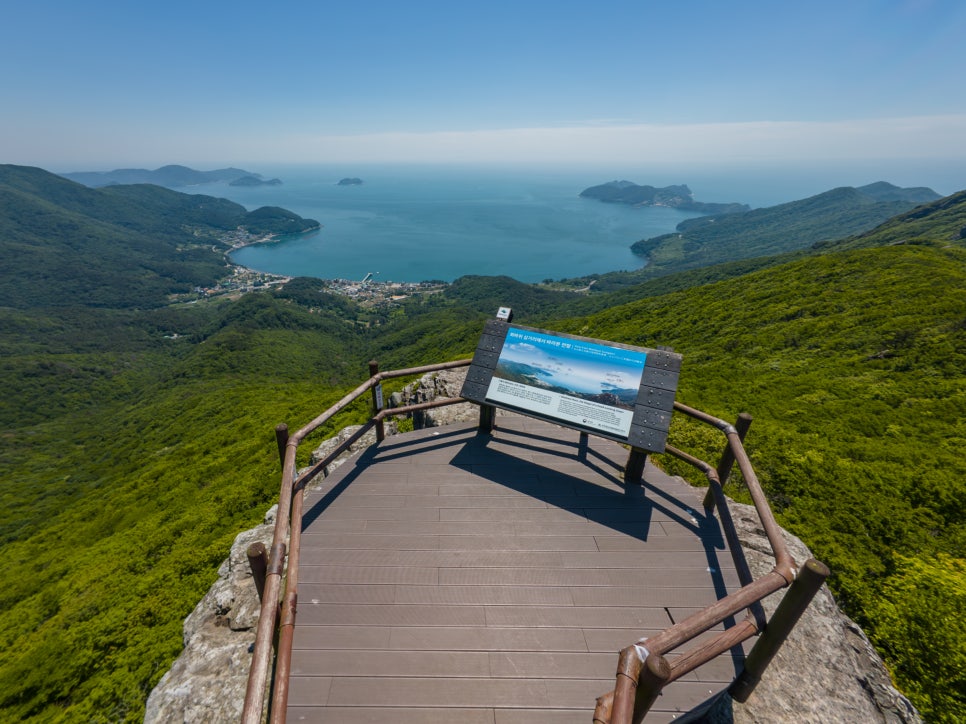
421, 223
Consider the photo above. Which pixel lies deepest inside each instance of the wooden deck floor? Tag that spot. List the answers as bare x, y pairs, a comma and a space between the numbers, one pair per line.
448, 577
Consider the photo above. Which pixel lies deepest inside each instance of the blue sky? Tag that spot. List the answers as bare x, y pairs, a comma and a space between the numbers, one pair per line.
117, 83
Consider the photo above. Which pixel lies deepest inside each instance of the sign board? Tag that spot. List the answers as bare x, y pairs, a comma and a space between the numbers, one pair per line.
616, 391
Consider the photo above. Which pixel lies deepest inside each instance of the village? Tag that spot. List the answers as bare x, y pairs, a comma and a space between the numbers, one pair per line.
371, 293
367, 292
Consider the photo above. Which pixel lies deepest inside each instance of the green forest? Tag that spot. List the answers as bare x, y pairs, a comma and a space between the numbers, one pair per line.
138, 431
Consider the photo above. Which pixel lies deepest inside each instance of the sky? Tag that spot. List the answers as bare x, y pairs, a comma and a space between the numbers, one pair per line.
107, 84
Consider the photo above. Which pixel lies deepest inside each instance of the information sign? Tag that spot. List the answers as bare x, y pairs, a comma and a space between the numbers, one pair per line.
584, 383
618, 391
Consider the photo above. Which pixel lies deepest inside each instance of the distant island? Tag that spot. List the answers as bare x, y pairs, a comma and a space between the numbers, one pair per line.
255, 180
350, 182
171, 177
675, 197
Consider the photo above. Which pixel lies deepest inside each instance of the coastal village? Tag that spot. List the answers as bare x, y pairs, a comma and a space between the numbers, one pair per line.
368, 292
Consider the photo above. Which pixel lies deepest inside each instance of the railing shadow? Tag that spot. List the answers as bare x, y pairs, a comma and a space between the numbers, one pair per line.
626, 509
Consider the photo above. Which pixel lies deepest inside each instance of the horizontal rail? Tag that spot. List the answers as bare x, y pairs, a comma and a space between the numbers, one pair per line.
288, 530
631, 697
643, 669
783, 559
368, 385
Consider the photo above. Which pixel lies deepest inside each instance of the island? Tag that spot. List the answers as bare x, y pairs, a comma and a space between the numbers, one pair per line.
171, 176
676, 197
254, 180
350, 182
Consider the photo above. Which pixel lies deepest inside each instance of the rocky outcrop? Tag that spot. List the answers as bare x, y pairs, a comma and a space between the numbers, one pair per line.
827, 671
207, 682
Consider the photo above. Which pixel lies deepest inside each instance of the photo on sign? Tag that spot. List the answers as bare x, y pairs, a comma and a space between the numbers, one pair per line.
581, 382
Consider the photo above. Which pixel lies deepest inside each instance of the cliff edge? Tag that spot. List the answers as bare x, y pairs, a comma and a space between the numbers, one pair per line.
827, 671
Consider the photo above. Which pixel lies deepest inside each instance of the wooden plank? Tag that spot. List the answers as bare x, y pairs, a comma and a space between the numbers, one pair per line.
375, 614
390, 715
441, 595
493, 580
372, 575
488, 638
317, 638
576, 617
448, 558
453, 692
656, 579
551, 665
381, 664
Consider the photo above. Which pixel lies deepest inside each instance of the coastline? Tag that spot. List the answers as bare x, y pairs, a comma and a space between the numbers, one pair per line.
368, 292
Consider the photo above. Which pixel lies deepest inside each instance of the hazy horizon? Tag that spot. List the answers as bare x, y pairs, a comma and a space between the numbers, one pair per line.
630, 85
761, 184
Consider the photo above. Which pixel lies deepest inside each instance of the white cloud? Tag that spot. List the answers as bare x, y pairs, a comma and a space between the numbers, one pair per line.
921, 138
940, 137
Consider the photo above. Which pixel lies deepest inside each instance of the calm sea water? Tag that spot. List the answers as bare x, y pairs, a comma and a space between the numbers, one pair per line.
420, 223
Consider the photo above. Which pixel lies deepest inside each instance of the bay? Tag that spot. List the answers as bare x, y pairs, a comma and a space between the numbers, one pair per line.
439, 223
420, 222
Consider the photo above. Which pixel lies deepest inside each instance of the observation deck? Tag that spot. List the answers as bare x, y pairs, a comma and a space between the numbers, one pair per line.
491, 572
451, 576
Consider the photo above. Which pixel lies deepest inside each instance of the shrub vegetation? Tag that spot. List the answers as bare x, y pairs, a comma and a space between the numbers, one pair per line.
137, 437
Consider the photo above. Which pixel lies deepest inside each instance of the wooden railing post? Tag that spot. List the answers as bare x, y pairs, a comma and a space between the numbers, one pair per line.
377, 402
727, 461
803, 589
281, 439
654, 675
258, 561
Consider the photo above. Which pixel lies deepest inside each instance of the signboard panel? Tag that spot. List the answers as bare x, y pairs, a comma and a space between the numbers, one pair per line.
616, 391
581, 382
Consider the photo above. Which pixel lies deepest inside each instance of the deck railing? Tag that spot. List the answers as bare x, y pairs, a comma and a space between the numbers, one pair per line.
278, 611
642, 670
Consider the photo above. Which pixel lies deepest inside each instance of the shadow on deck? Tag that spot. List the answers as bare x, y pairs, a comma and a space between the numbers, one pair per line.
451, 576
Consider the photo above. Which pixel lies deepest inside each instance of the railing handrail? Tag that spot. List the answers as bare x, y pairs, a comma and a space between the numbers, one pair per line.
642, 669
289, 511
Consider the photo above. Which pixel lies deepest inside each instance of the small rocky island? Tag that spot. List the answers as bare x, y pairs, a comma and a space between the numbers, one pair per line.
676, 197
350, 182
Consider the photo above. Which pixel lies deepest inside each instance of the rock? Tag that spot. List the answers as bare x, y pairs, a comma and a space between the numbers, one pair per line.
445, 383
207, 682
827, 671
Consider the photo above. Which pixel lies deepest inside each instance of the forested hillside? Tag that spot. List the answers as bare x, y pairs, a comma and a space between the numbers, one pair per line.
138, 439
853, 365
67, 245
778, 229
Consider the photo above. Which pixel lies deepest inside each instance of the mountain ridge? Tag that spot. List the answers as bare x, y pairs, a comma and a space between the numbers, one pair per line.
138, 440
170, 176
791, 226
70, 244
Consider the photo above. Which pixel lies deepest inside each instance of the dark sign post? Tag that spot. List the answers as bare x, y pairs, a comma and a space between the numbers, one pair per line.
612, 390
